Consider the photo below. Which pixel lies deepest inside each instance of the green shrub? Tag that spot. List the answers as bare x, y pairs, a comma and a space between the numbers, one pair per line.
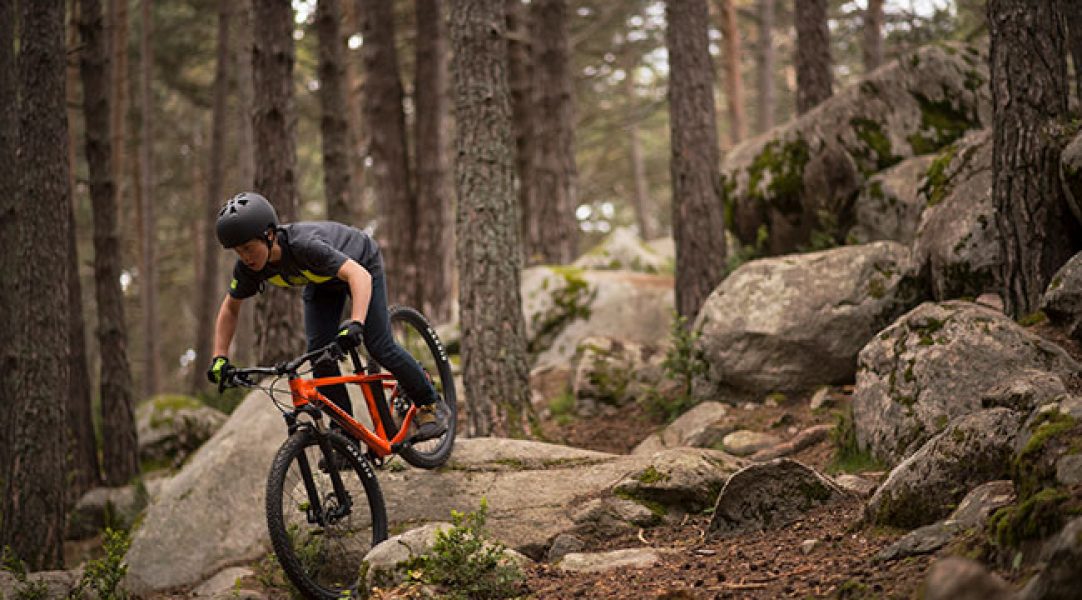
104, 575
848, 456
683, 363
26, 589
465, 565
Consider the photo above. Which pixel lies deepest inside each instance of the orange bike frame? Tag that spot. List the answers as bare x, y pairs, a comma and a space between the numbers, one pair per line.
305, 391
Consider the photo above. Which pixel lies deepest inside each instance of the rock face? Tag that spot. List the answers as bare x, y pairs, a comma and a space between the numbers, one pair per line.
770, 495
934, 364
1071, 168
1062, 302
213, 508
623, 250
890, 204
565, 305
612, 372
958, 578
1061, 577
957, 239
784, 181
169, 428
794, 322
109, 506
973, 449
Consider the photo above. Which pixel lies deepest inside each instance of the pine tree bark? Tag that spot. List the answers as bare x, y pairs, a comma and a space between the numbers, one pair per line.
1029, 100
334, 122
734, 83
494, 333
209, 284
1073, 11
814, 81
118, 99
520, 80
278, 320
119, 446
34, 488
642, 204
9, 192
83, 468
148, 263
244, 342
362, 209
765, 65
553, 172
698, 223
873, 35
385, 122
435, 239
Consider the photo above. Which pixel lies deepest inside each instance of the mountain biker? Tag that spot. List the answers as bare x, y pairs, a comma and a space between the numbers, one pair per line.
332, 261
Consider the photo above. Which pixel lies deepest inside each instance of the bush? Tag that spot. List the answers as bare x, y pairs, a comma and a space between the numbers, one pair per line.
104, 575
683, 362
26, 589
465, 565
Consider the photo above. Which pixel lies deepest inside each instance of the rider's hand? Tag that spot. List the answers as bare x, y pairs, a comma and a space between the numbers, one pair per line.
219, 370
350, 334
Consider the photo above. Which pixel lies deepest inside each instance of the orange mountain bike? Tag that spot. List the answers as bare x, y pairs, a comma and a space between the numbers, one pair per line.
325, 510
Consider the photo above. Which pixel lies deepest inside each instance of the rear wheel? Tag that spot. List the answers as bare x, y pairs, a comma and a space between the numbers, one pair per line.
413, 332
322, 548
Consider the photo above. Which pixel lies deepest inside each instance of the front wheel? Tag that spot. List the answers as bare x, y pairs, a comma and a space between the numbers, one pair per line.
413, 332
321, 539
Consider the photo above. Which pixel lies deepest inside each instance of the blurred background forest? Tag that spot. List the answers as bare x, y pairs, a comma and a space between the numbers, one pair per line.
620, 80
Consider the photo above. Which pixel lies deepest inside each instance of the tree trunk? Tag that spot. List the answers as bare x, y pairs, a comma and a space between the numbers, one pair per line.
641, 198
9, 193
698, 225
274, 120
119, 445
494, 333
765, 66
244, 342
812, 58
34, 490
435, 239
149, 224
554, 172
1029, 100
362, 209
520, 78
118, 119
385, 122
209, 284
82, 452
873, 35
1073, 12
734, 83
334, 122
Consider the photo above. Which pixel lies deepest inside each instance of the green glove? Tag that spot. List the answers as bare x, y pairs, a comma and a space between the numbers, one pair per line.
350, 334
219, 368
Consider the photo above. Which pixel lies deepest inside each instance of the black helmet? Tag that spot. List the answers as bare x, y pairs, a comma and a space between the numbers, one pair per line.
244, 217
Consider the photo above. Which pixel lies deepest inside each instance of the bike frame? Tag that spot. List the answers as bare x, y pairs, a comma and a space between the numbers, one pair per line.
306, 392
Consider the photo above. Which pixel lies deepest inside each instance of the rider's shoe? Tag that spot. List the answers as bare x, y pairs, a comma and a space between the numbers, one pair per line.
428, 424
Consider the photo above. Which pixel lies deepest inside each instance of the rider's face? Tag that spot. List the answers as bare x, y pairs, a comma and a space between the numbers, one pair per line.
253, 253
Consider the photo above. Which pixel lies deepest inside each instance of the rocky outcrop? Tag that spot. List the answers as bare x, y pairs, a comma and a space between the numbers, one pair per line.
623, 250
613, 373
795, 322
925, 487
957, 578
934, 364
701, 427
1062, 302
1061, 575
957, 240
171, 427
797, 181
564, 305
770, 495
890, 204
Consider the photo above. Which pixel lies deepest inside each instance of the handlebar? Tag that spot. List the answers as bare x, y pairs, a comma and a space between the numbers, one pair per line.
332, 352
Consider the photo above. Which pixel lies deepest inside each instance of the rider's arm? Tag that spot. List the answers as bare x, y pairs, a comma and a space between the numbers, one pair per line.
360, 288
226, 325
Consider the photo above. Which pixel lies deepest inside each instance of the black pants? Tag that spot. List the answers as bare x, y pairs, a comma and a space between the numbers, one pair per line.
323, 312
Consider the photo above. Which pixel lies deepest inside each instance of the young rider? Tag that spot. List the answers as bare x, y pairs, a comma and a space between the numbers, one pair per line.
332, 261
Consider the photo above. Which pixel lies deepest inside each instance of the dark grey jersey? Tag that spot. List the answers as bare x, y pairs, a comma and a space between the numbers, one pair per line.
312, 253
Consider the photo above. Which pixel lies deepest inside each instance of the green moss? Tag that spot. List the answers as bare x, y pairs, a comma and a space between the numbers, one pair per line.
657, 508
175, 402
973, 80
569, 302
876, 288
1056, 282
1035, 517
1050, 425
936, 183
563, 405
784, 164
1033, 318
941, 124
848, 456
651, 475
875, 190
876, 142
